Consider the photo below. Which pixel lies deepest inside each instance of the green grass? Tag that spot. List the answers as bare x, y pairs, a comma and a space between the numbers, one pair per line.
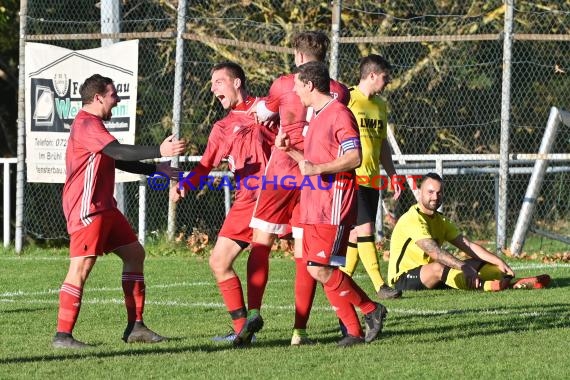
520, 334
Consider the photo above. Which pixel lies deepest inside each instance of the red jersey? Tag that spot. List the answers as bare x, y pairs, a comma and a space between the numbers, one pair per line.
292, 114
245, 144
90, 174
330, 198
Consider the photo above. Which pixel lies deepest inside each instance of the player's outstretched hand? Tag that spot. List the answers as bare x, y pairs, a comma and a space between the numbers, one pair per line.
506, 269
169, 171
176, 193
172, 146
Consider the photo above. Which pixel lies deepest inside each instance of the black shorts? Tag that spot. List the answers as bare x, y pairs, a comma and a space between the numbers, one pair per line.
242, 244
368, 198
411, 281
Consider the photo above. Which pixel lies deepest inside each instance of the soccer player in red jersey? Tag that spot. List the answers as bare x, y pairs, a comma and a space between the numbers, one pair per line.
278, 205
94, 223
328, 199
246, 145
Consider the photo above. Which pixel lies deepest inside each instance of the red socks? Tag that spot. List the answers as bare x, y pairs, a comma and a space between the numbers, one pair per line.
69, 305
345, 287
232, 295
344, 294
257, 274
305, 286
134, 292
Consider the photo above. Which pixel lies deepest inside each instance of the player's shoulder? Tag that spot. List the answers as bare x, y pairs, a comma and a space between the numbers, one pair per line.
443, 219
413, 214
340, 108
339, 88
83, 117
85, 120
338, 84
221, 127
285, 78
282, 84
380, 100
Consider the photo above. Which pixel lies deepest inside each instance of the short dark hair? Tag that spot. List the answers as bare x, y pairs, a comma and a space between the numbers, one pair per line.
431, 175
373, 63
312, 43
95, 84
233, 69
317, 73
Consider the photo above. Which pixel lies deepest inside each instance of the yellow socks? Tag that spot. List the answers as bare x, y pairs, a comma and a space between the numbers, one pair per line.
365, 249
351, 259
490, 272
455, 279
369, 256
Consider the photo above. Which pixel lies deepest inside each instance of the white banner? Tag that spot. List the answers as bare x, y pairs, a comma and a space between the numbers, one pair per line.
53, 77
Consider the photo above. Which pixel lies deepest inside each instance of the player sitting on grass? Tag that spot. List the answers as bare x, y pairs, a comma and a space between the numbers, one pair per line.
418, 262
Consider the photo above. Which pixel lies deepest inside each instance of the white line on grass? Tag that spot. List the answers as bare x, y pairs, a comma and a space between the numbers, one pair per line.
32, 258
219, 305
21, 293
540, 266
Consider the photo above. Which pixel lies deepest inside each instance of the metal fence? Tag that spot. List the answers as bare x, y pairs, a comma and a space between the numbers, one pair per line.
447, 96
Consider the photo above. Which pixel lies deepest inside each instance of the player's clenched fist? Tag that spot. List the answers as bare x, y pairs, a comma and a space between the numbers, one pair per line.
172, 147
308, 168
283, 141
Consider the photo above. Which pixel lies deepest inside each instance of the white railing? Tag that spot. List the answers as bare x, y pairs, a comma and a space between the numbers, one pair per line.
409, 165
6, 194
414, 165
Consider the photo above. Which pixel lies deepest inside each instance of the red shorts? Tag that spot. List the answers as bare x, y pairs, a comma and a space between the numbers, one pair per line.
108, 231
236, 225
278, 202
325, 243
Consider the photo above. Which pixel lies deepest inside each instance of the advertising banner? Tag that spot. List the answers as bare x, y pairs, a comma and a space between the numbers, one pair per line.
53, 77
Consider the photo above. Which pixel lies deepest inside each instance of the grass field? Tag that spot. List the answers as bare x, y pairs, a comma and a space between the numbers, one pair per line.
516, 334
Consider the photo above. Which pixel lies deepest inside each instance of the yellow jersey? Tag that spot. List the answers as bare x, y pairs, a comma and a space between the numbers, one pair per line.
411, 227
371, 114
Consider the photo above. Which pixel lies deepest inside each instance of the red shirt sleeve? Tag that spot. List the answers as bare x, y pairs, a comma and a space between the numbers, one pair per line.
346, 132
192, 180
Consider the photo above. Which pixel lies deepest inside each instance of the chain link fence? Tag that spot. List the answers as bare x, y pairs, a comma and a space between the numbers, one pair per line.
445, 97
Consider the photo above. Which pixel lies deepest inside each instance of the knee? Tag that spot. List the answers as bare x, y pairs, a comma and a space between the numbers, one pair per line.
319, 273
79, 271
217, 264
432, 272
